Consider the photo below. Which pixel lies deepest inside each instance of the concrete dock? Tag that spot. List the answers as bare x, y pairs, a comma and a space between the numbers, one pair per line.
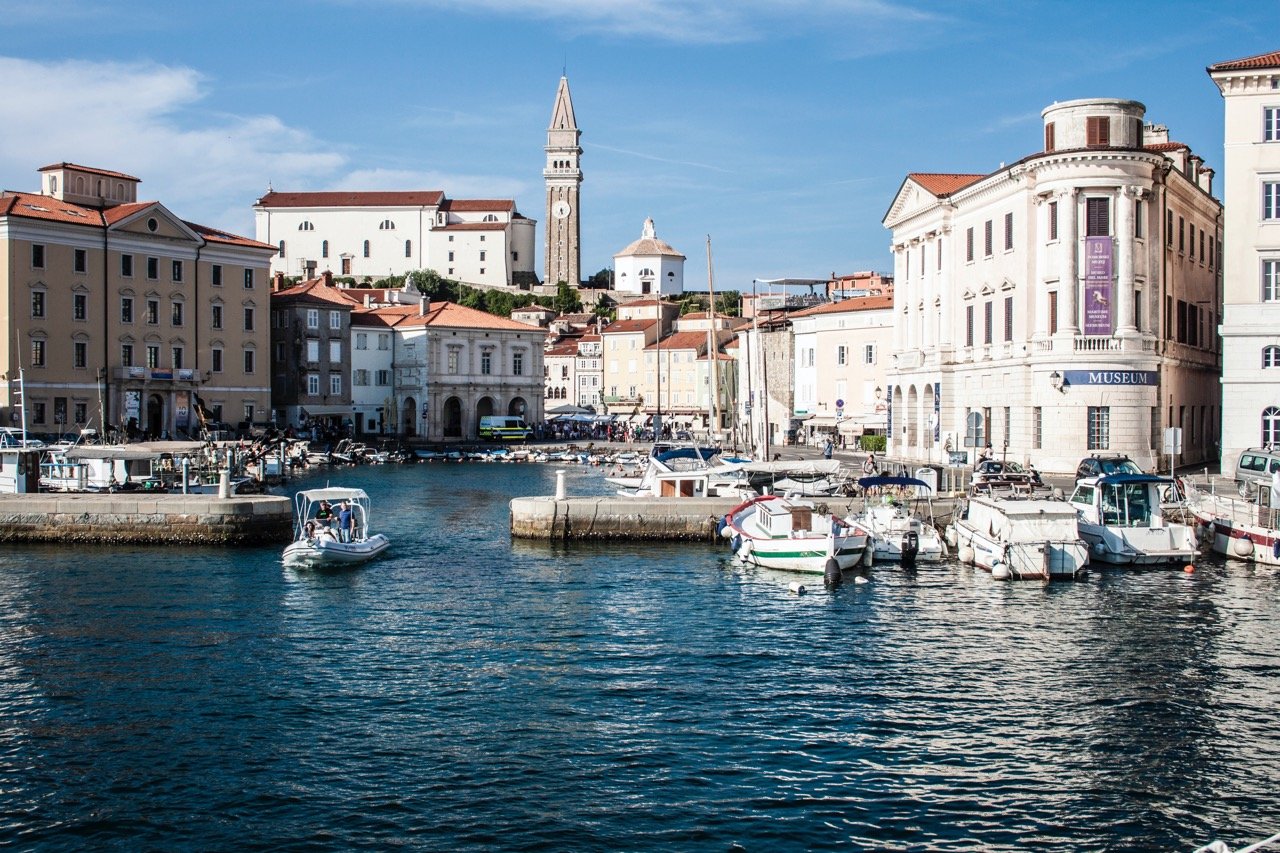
618, 518
146, 519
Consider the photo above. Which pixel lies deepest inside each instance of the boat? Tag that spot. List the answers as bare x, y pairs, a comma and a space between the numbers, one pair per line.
793, 534
1014, 530
316, 543
1241, 528
1122, 518
900, 528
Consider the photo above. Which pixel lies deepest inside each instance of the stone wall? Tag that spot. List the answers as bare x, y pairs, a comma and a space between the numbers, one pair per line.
657, 519
146, 519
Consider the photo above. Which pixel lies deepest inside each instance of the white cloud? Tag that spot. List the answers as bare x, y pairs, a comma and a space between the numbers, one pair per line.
145, 119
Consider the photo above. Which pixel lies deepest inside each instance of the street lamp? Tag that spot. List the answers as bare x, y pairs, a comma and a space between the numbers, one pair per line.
1055, 380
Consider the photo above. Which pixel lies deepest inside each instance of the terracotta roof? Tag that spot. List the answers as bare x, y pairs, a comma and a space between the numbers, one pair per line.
618, 326
91, 170
648, 246
451, 316
367, 317
213, 235
314, 290
123, 211
570, 349
1167, 146
477, 205
36, 206
1262, 60
855, 303
351, 198
943, 184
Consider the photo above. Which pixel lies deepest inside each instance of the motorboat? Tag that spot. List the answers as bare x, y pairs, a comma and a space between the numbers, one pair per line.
317, 542
1122, 518
1241, 528
898, 517
793, 534
1014, 530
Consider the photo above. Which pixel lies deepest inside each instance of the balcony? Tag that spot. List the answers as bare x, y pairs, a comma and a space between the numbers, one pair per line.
909, 359
156, 374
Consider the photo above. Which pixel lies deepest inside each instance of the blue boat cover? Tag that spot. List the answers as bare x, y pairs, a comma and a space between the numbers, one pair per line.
872, 482
1128, 479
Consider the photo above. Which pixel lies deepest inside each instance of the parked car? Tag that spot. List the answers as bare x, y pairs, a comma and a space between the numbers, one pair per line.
1098, 466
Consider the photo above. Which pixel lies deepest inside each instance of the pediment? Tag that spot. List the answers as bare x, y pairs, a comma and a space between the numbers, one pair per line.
911, 198
154, 220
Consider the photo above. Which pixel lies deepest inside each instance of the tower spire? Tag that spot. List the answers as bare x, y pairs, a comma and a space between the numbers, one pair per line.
563, 177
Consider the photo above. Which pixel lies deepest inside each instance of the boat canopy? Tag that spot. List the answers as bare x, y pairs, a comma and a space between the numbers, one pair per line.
333, 493
874, 482
1130, 479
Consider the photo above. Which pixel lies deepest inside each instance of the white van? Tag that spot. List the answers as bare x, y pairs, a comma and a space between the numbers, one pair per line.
1257, 464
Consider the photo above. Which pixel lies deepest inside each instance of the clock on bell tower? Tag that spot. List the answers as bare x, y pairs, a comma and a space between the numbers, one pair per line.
563, 176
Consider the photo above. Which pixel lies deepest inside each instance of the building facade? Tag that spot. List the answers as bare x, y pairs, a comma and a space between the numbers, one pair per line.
373, 235
124, 316
1063, 305
311, 354
1250, 90
648, 266
563, 177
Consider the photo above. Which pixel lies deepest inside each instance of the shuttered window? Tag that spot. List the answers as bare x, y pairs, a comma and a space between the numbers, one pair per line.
968, 238
1097, 130
1053, 312
1008, 318
1048, 137
1053, 220
1008, 231
1097, 217
986, 242
968, 325
987, 311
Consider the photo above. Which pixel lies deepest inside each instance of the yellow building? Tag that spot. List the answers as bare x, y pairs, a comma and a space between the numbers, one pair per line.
119, 313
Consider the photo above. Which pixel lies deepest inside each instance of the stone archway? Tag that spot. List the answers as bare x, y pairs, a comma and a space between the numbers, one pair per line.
484, 409
154, 419
517, 407
912, 419
409, 417
451, 418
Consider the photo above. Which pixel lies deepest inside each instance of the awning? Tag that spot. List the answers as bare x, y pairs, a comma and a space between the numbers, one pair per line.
322, 411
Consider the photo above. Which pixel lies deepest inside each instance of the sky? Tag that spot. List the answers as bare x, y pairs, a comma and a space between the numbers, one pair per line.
778, 129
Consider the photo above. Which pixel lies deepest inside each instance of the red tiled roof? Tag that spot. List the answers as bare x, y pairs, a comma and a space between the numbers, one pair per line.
352, 198
1166, 146
943, 184
855, 303
123, 211
452, 316
570, 349
1262, 60
477, 205
213, 235
314, 290
91, 170
627, 326
36, 206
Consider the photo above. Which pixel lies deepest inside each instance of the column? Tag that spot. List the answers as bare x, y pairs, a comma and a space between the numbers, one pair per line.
1127, 201
945, 245
1069, 282
1039, 288
900, 299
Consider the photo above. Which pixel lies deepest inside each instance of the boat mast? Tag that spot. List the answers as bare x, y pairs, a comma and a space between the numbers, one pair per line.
657, 418
713, 354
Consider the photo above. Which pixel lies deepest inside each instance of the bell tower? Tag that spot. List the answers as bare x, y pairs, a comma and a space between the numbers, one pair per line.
563, 176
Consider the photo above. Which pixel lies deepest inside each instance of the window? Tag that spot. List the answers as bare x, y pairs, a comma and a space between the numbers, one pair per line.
1271, 200
1008, 318
1191, 238
359, 378
81, 413
451, 257
453, 361
324, 248
1097, 219
841, 356
486, 362
37, 303
313, 351
1097, 131
482, 253
79, 353
216, 321
37, 352
1270, 426
362, 340
249, 360
968, 325
1008, 426
126, 355
986, 238
177, 313
1271, 356
382, 377
216, 275
153, 312
1271, 281
126, 309
1049, 137
366, 248
153, 356
335, 352
248, 279
126, 266
153, 268
216, 361
178, 358
1099, 427
384, 342
408, 248
313, 384
1053, 220
1053, 312
1168, 229
968, 243
1271, 124
517, 363
282, 248
313, 318
975, 433
1202, 245
1139, 214
335, 320
80, 261
177, 270
988, 313
37, 256
305, 225
335, 383
1008, 231
869, 354
248, 319
1037, 428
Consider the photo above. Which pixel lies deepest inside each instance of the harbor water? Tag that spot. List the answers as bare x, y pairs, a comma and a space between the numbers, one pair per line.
471, 693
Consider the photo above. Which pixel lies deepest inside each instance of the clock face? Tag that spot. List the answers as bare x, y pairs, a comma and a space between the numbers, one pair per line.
561, 209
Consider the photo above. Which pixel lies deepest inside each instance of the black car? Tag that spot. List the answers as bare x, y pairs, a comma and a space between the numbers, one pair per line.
1099, 466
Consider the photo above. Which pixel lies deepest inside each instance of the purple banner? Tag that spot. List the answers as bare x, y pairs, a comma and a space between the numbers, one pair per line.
1097, 286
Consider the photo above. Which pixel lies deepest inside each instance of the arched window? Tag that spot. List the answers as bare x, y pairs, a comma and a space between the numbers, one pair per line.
408, 248
306, 225
282, 248
324, 249
1270, 426
366, 248
490, 217
386, 225
1271, 356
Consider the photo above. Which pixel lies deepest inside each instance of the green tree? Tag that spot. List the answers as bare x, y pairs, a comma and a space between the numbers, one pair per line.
729, 303
602, 279
567, 301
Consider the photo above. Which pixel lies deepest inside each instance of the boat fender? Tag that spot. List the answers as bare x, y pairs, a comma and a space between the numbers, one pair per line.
965, 554
721, 526
831, 574
860, 580
736, 544
1275, 547
869, 555
1243, 547
1099, 548
796, 588
910, 547
950, 536
1000, 571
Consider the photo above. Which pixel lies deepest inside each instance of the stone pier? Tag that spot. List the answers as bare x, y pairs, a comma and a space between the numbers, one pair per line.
146, 519
618, 518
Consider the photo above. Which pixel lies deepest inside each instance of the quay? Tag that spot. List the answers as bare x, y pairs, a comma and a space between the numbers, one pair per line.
145, 519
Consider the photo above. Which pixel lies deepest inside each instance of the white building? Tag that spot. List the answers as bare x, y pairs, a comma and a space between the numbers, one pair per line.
1062, 305
647, 266
378, 234
1251, 258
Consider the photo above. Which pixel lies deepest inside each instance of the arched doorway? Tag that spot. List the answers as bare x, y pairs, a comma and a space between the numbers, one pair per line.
451, 418
409, 417
913, 419
484, 409
517, 407
154, 419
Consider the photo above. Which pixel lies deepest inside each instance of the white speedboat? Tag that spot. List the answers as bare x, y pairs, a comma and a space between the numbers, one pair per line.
900, 529
1018, 534
317, 539
1122, 518
782, 533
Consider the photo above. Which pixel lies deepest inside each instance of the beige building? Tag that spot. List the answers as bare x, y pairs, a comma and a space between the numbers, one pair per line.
1251, 254
121, 313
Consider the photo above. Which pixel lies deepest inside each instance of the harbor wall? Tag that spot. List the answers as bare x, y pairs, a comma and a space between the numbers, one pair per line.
606, 518
146, 519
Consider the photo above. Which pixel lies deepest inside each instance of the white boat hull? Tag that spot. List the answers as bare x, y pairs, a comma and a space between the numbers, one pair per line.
1140, 546
1048, 560
324, 551
888, 526
1238, 529
800, 550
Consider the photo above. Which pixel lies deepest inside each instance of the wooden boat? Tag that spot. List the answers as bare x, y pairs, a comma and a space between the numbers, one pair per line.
1122, 518
317, 543
793, 534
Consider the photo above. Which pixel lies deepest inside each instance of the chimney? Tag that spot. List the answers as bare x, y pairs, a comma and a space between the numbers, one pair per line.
422, 304
368, 300
327, 278
277, 282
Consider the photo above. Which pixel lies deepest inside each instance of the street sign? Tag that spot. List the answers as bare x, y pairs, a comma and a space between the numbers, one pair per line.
839, 404
1173, 441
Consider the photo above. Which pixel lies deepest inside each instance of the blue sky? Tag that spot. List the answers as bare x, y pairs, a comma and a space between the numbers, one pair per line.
780, 128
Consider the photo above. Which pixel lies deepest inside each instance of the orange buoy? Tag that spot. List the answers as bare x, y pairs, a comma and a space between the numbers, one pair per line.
1189, 569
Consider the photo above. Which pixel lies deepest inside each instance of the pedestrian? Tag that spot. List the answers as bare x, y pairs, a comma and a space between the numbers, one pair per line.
827, 449
344, 522
987, 454
869, 467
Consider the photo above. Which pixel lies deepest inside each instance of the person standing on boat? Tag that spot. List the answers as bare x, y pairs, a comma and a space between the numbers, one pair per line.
344, 522
324, 515
987, 454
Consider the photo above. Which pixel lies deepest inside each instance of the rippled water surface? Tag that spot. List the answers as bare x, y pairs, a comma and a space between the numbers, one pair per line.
473, 693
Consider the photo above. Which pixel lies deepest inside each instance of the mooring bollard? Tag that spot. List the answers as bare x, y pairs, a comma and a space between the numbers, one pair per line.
224, 483
560, 493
